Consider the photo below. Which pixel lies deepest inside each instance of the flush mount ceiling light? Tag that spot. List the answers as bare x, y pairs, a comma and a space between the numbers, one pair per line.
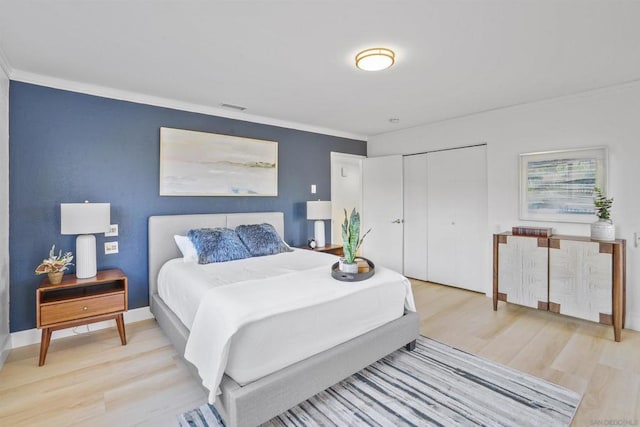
375, 59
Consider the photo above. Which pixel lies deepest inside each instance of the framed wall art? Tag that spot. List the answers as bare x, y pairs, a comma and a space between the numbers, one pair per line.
208, 164
558, 185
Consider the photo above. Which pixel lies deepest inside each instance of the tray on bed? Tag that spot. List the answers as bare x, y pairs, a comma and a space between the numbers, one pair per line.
366, 269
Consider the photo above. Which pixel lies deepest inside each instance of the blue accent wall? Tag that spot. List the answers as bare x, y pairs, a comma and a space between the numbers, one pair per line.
67, 147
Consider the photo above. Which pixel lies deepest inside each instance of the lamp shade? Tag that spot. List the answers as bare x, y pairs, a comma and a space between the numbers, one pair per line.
319, 210
84, 218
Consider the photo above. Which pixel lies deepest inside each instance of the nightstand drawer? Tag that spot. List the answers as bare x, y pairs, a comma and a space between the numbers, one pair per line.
80, 308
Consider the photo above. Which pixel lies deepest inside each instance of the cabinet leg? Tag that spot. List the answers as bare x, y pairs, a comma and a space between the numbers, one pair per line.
618, 287
44, 345
121, 331
496, 245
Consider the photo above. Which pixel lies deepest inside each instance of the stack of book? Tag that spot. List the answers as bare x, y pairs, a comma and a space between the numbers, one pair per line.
363, 265
531, 231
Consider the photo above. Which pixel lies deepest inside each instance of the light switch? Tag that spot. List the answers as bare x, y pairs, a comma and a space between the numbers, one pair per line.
113, 231
110, 248
313, 189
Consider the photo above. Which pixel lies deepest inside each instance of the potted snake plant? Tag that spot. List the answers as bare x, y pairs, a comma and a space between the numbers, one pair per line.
351, 241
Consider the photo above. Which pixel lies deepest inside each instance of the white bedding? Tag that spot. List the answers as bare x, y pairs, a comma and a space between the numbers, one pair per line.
181, 285
287, 306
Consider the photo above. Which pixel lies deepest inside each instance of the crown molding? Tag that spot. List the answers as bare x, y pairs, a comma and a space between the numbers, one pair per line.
124, 95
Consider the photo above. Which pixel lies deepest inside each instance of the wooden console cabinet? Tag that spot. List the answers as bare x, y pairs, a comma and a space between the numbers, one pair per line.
569, 275
77, 302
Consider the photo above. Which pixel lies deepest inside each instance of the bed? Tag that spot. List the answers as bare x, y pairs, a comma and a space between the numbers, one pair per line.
250, 398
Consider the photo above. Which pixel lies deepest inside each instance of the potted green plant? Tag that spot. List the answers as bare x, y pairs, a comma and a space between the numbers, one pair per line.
351, 241
55, 265
603, 229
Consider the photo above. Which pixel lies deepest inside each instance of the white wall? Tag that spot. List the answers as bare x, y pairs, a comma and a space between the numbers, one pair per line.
608, 117
4, 217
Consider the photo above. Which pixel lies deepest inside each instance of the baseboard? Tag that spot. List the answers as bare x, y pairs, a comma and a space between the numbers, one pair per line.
32, 336
632, 322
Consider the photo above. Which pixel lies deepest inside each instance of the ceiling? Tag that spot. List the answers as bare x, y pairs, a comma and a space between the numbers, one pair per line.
292, 60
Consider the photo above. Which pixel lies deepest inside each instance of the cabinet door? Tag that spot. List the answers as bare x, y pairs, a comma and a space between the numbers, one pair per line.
580, 279
522, 271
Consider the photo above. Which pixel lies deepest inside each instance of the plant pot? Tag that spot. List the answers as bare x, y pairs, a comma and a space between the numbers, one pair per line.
55, 277
603, 230
348, 267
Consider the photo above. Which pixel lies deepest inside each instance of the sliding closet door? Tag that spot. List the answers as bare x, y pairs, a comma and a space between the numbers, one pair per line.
441, 219
415, 216
457, 217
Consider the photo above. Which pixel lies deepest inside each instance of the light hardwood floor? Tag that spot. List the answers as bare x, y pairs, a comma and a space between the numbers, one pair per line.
90, 379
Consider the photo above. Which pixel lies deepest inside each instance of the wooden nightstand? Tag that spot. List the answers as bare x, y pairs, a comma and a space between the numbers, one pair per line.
77, 302
329, 248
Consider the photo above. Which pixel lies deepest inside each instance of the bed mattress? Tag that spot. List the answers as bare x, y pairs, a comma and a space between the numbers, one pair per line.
265, 346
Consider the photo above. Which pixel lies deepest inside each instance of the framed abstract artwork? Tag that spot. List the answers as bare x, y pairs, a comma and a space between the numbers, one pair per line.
208, 164
558, 185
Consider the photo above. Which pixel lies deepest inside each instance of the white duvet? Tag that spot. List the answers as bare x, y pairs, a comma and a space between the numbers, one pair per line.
236, 296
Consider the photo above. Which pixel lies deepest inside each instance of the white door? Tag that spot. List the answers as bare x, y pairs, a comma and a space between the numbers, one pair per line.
382, 211
457, 217
415, 216
346, 190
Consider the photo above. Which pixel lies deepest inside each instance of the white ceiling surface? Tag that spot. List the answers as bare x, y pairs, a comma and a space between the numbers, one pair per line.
293, 60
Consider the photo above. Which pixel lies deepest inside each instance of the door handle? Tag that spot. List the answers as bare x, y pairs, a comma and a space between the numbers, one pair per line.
397, 221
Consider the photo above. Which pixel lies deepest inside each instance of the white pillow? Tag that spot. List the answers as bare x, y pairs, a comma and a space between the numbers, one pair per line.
189, 253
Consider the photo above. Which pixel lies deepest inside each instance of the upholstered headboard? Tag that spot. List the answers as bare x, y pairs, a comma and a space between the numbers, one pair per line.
162, 246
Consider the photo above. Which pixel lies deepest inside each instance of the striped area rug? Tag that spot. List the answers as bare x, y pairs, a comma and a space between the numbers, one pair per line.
433, 385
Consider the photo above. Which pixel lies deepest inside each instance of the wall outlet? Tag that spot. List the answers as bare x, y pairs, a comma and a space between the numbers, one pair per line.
113, 231
110, 248
313, 189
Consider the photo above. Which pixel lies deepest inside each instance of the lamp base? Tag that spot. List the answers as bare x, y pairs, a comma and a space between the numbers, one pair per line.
86, 256
318, 228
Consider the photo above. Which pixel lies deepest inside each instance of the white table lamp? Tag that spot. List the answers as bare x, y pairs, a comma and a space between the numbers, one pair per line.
85, 219
319, 211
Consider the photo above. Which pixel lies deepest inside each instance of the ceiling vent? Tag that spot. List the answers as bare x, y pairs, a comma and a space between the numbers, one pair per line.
233, 107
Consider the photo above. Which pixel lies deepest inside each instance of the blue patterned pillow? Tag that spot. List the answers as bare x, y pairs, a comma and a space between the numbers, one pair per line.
261, 239
217, 245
